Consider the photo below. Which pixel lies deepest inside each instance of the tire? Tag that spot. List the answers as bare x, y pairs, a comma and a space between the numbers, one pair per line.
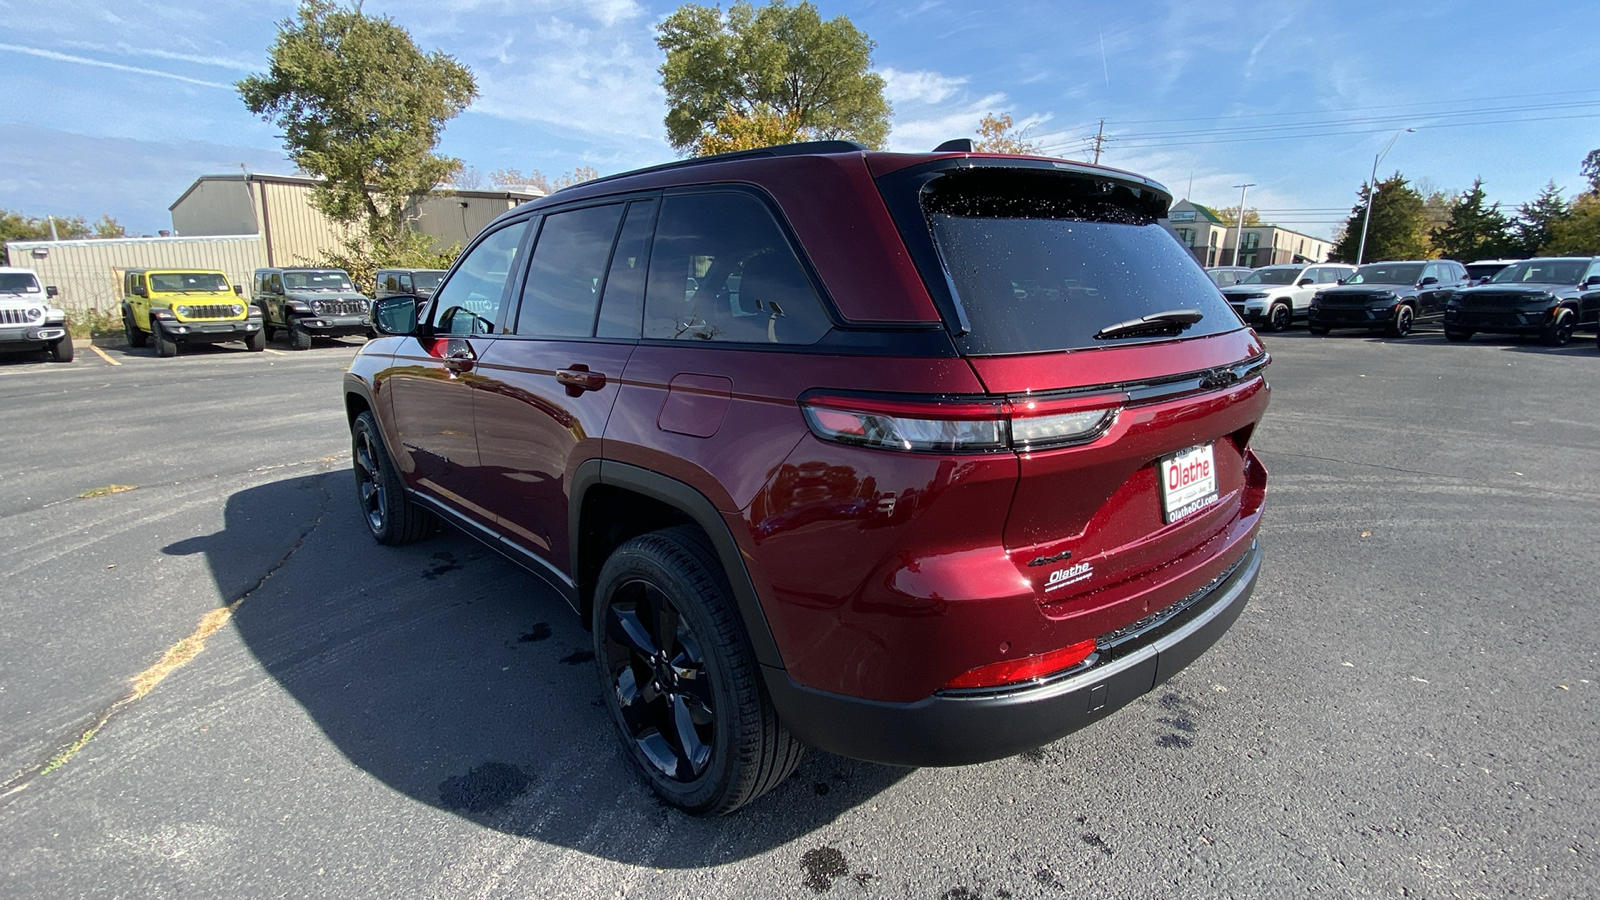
391, 515
1559, 332
1318, 329
1400, 325
165, 346
299, 338
1279, 315
1458, 335
62, 350
137, 337
256, 342
680, 680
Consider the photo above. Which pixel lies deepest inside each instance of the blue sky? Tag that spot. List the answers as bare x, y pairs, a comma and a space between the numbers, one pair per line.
112, 107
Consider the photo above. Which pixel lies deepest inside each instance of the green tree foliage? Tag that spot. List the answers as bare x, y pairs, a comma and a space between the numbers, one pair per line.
1396, 232
1230, 216
997, 134
771, 64
362, 258
362, 108
1536, 220
15, 226
1473, 231
1590, 167
1579, 233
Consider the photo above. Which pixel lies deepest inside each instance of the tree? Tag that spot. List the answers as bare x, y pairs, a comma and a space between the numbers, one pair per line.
1590, 167
762, 127
540, 181
1536, 219
1579, 233
14, 226
765, 65
361, 107
1473, 231
1230, 216
997, 135
1396, 231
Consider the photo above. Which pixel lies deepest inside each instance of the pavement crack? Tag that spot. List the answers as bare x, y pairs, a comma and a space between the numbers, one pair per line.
174, 658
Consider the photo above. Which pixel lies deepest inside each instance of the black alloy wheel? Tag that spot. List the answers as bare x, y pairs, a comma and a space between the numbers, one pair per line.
1400, 325
1559, 332
1278, 317
679, 678
137, 337
299, 338
391, 515
165, 346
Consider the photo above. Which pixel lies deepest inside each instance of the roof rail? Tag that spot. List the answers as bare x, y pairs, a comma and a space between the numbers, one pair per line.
799, 148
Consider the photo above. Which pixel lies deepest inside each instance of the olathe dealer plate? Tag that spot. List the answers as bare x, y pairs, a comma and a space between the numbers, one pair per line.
1188, 482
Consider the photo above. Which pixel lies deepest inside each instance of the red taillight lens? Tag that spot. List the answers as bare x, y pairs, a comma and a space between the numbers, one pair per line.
959, 426
1014, 671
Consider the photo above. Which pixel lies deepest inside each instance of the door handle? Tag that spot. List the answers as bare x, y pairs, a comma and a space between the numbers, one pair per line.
459, 357
578, 379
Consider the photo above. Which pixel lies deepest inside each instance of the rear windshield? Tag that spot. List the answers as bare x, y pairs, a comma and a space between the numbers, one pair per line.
1042, 260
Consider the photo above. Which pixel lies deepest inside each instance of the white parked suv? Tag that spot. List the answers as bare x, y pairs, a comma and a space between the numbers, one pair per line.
28, 319
1274, 296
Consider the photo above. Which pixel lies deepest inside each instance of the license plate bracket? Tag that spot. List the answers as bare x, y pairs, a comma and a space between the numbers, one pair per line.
1188, 482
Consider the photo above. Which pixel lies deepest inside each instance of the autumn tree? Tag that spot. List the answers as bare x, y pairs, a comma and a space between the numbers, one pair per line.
1230, 216
997, 134
15, 226
761, 127
1473, 230
765, 69
1578, 234
361, 107
1536, 221
1396, 229
1590, 167
538, 180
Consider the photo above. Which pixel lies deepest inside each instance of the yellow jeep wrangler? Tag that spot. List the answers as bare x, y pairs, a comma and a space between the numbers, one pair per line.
186, 306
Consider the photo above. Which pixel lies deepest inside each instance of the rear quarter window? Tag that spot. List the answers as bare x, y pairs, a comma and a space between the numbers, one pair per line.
1042, 261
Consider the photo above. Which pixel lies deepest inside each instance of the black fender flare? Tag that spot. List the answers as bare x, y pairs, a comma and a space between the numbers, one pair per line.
699, 509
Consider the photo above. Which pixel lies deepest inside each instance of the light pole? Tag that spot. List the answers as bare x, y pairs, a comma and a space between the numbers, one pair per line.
1238, 243
1372, 193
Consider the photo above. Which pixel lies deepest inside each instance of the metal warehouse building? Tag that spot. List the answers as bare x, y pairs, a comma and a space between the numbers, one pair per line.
236, 224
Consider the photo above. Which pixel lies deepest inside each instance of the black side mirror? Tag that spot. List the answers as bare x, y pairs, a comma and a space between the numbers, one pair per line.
395, 315
1303, 282
1341, 281
50, 290
239, 289
139, 291
1591, 281
1427, 281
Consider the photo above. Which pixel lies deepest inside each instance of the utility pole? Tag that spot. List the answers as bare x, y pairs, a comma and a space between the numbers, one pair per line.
1099, 141
1372, 193
1238, 242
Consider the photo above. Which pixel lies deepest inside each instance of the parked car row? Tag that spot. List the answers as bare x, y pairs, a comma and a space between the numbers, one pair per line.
1549, 298
171, 308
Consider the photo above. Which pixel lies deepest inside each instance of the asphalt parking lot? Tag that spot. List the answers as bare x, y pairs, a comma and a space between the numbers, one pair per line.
1407, 707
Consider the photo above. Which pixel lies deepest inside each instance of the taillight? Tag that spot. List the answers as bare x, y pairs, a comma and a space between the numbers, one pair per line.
959, 425
1028, 668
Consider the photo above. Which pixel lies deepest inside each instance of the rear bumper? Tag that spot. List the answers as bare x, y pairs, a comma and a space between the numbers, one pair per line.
949, 728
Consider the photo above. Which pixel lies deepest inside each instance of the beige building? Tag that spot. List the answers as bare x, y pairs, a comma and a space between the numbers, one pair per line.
295, 232
1212, 243
88, 272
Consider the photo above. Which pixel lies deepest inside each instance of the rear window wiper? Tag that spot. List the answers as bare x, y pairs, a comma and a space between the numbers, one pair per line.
1172, 321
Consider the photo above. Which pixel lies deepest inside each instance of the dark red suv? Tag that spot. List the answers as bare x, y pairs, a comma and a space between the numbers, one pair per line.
925, 459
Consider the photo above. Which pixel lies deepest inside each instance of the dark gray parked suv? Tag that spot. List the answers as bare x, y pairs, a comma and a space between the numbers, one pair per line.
1537, 297
310, 303
1392, 296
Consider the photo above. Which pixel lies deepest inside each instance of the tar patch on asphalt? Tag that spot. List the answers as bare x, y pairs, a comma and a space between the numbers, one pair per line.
577, 657
442, 563
484, 789
822, 866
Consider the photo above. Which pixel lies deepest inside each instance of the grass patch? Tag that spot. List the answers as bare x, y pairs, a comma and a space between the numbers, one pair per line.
108, 489
94, 323
60, 759
179, 654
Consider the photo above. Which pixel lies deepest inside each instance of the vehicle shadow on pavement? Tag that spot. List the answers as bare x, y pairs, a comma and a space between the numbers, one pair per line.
461, 681
1582, 344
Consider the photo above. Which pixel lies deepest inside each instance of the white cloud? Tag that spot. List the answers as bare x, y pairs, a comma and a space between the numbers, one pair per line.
918, 87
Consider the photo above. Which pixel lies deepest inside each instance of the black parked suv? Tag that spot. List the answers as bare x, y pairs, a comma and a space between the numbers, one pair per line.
1392, 296
420, 282
1549, 297
309, 303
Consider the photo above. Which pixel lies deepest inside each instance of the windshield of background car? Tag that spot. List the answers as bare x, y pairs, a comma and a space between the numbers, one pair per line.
1043, 260
1271, 276
1387, 273
175, 282
317, 281
426, 281
18, 283
1542, 271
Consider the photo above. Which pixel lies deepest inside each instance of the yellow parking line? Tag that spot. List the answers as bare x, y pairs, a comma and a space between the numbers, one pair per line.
273, 352
102, 354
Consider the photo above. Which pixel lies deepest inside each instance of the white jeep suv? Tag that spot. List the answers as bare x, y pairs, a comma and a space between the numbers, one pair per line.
1274, 296
27, 318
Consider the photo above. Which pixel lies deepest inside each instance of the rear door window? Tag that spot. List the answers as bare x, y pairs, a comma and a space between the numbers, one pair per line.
562, 292
1041, 261
721, 269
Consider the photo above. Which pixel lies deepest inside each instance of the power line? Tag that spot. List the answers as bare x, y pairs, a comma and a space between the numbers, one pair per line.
1280, 137
1359, 108
1140, 135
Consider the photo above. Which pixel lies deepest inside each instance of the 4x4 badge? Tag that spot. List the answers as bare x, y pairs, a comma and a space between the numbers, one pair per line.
1060, 578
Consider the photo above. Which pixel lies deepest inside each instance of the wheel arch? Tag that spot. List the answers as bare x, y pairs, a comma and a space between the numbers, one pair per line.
612, 502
